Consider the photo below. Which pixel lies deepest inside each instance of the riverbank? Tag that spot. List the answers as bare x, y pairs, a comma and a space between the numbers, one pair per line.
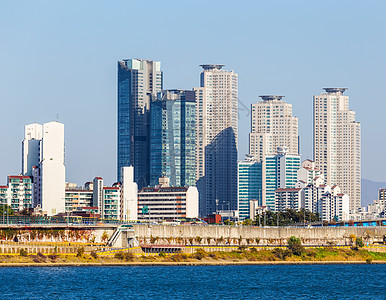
198, 263
277, 256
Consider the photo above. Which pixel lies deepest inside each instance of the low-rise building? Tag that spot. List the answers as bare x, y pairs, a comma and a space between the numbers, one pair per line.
18, 192
288, 198
164, 202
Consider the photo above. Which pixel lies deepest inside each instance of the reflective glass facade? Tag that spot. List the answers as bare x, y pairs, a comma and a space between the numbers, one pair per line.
250, 185
172, 138
138, 81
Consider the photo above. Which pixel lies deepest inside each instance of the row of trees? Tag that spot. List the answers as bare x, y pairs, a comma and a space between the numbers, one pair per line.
283, 218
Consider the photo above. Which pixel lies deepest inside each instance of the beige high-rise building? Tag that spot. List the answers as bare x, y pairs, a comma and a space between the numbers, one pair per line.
216, 139
272, 126
337, 143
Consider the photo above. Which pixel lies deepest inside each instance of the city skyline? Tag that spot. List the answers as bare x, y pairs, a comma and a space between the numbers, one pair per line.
84, 98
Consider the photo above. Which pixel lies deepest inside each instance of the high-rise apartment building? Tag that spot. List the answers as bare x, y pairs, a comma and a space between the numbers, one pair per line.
43, 159
216, 140
139, 81
173, 138
272, 126
337, 143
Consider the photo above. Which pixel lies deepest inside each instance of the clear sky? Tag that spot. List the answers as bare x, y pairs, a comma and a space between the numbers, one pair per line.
58, 62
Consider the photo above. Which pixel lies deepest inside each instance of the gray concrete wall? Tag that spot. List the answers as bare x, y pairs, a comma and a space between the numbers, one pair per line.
231, 235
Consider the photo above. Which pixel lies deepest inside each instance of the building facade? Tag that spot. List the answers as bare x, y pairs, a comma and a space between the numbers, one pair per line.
18, 193
249, 185
288, 198
173, 137
139, 81
279, 171
272, 126
43, 160
163, 202
216, 139
337, 143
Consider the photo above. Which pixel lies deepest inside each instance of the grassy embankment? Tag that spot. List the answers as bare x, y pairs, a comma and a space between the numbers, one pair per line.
248, 256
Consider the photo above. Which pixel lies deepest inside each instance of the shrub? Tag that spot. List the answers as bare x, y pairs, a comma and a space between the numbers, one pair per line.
369, 261
94, 255
176, 257
162, 254
243, 248
253, 250
295, 246
23, 252
359, 242
52, 257
39, 258
281, 253
213, 255
126, 256
199, 254
257, 240
80, 252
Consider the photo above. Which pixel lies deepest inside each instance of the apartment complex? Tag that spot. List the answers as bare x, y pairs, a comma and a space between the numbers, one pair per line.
272, 126
337, 143
139, 81
173, 137
216, 140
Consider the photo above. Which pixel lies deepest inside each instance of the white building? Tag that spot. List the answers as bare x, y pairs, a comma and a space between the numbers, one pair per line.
163, 202
18, 193
308, 172
43, 159
129, 210
216, 138
337, 143
334, 205
288, 198
272, 126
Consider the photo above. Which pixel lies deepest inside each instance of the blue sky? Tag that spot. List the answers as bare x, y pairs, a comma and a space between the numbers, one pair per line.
58, 61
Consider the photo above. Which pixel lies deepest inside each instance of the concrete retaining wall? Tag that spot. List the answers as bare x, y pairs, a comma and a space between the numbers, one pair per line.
231, 235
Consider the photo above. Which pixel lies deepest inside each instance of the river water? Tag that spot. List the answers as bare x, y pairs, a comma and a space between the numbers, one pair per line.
196, 282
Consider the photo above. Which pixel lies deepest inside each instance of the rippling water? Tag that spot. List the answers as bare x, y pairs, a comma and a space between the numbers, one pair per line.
196, 282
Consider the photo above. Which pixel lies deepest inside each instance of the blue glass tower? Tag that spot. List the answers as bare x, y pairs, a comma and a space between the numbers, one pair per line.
250, 184
172, 137
138, 81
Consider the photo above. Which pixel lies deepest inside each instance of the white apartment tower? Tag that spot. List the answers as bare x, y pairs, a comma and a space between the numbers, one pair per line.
272, 126
337, 143
129, 197
216, 138
43, 158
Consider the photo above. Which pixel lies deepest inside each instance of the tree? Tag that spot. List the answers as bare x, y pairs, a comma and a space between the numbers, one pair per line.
6, 210
295, 245
247, 222
359, 242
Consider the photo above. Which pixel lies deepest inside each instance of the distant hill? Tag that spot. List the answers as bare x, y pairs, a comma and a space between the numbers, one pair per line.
370, 191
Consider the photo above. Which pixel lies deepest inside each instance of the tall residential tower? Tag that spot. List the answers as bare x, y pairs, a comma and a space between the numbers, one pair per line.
138, 81
337, 143
272, 126
216, 154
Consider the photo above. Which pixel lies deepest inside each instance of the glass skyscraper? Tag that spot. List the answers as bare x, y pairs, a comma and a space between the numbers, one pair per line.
138, 81
173, 137
250, 185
